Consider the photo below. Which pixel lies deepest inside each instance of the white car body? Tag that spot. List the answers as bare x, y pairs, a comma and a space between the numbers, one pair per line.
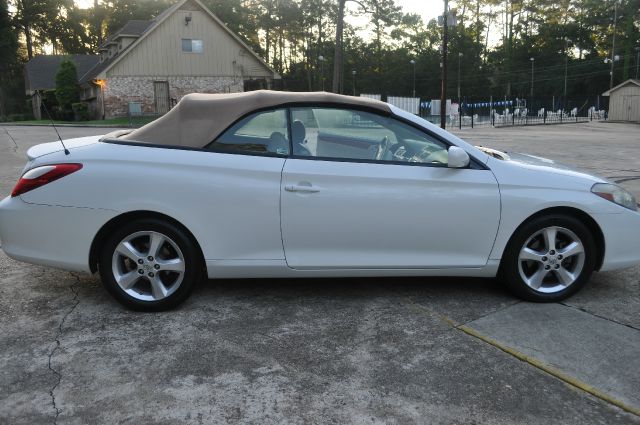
365, 219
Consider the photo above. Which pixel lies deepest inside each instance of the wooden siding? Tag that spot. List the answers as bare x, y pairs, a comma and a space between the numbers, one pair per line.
624, 104
160, 53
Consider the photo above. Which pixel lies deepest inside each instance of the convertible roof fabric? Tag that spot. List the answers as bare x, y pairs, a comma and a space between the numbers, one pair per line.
199, 118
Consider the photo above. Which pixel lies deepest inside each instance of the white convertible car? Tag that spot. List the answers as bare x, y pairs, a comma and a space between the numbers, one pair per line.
276, 184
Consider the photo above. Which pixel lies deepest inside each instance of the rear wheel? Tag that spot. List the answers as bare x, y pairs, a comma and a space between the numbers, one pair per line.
149, 265
549, 259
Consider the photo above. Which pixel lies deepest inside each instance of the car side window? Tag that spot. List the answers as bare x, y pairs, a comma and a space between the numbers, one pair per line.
359, 135
263, 132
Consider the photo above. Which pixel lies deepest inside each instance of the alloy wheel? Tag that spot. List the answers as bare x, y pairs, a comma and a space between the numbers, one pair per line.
551, 260
148, 265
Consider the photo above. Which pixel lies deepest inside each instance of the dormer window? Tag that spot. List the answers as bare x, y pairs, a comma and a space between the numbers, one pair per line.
190, 45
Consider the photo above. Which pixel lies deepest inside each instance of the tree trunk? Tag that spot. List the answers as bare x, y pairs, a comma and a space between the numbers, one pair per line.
29, 40
337, 57
477, 22
509, 48
628, 49
98, 28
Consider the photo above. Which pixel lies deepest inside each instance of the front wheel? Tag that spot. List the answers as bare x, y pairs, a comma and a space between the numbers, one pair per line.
149, 265
549, 259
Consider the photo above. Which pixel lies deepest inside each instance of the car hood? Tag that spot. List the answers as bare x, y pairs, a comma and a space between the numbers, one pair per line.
545, 165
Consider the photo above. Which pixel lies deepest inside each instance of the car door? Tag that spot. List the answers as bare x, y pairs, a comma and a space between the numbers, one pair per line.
366, 191
240, 198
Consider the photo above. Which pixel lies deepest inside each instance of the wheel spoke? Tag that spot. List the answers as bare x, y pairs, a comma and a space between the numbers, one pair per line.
573, 248
173, 265
531, 255
126, 281
125, 248
550, 234
565, 277
155, 244
158, 289
535, 281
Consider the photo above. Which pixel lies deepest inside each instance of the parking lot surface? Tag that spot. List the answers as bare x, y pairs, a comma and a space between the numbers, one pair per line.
361, 351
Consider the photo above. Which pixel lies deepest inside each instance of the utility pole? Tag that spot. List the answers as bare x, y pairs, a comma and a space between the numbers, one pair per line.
613, 44
566, 63
637, 61
459, 58
443, 90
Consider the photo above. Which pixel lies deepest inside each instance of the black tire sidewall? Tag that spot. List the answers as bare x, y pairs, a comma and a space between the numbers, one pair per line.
179, 236
510, 270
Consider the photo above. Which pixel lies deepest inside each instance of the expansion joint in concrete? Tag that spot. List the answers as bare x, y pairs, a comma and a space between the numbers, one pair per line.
584, 310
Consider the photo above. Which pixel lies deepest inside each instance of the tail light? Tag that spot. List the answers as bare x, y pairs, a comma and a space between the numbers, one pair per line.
40, 176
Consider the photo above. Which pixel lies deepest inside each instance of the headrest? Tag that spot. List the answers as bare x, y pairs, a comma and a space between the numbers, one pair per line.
298, 132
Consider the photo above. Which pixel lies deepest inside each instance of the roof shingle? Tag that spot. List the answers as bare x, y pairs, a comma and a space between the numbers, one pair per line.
41, 70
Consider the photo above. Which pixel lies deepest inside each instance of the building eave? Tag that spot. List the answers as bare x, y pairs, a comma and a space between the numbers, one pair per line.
623, 84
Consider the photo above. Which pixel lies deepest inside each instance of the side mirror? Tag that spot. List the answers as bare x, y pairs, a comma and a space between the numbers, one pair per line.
458, 158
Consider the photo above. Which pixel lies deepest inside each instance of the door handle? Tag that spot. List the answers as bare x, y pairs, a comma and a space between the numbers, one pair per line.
299, 188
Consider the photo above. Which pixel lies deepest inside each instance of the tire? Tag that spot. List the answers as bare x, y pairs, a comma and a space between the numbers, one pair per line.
150, 264
537, 271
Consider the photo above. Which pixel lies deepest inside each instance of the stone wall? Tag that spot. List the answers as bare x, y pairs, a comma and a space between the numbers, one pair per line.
119, 91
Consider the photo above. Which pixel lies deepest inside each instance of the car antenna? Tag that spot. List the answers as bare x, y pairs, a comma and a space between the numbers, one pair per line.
66, 151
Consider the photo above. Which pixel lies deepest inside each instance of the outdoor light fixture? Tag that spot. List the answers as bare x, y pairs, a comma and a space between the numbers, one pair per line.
321, 59
413, 63
354, 81
532, 62
187, 19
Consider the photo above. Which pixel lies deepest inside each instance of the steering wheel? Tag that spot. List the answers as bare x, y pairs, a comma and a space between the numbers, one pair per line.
382, 148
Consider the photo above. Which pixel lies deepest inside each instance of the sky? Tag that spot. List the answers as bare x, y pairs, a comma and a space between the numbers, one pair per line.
428, 9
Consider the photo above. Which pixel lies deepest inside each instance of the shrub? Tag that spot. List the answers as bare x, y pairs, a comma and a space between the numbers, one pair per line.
80, 111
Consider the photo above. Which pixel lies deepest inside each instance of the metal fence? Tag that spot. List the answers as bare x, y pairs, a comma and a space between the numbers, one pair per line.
517, 112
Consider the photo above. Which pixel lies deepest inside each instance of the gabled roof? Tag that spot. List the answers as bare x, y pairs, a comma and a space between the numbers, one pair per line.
133, 28
629, 81
104, 66
41, 70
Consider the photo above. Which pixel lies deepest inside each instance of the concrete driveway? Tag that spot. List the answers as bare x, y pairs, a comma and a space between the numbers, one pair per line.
361, 351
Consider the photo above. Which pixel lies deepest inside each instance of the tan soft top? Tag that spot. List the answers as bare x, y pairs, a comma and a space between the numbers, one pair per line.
199, 118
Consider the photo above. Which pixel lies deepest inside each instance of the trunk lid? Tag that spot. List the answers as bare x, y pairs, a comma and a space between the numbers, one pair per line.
49, 148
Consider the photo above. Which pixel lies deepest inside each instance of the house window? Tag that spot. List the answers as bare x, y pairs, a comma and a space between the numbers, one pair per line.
192, 45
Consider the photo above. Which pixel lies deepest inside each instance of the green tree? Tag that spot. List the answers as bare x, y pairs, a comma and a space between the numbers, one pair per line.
67, 89
8, 56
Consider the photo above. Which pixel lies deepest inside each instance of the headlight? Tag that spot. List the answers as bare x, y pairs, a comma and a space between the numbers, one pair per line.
616, 194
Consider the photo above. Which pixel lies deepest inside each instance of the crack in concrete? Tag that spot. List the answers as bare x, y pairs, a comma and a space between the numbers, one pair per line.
584, 310
75, 300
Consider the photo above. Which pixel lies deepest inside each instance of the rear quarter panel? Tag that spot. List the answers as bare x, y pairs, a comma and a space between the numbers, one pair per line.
229, 202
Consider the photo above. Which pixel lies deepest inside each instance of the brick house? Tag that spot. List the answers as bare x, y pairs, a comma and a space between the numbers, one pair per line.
154, 63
